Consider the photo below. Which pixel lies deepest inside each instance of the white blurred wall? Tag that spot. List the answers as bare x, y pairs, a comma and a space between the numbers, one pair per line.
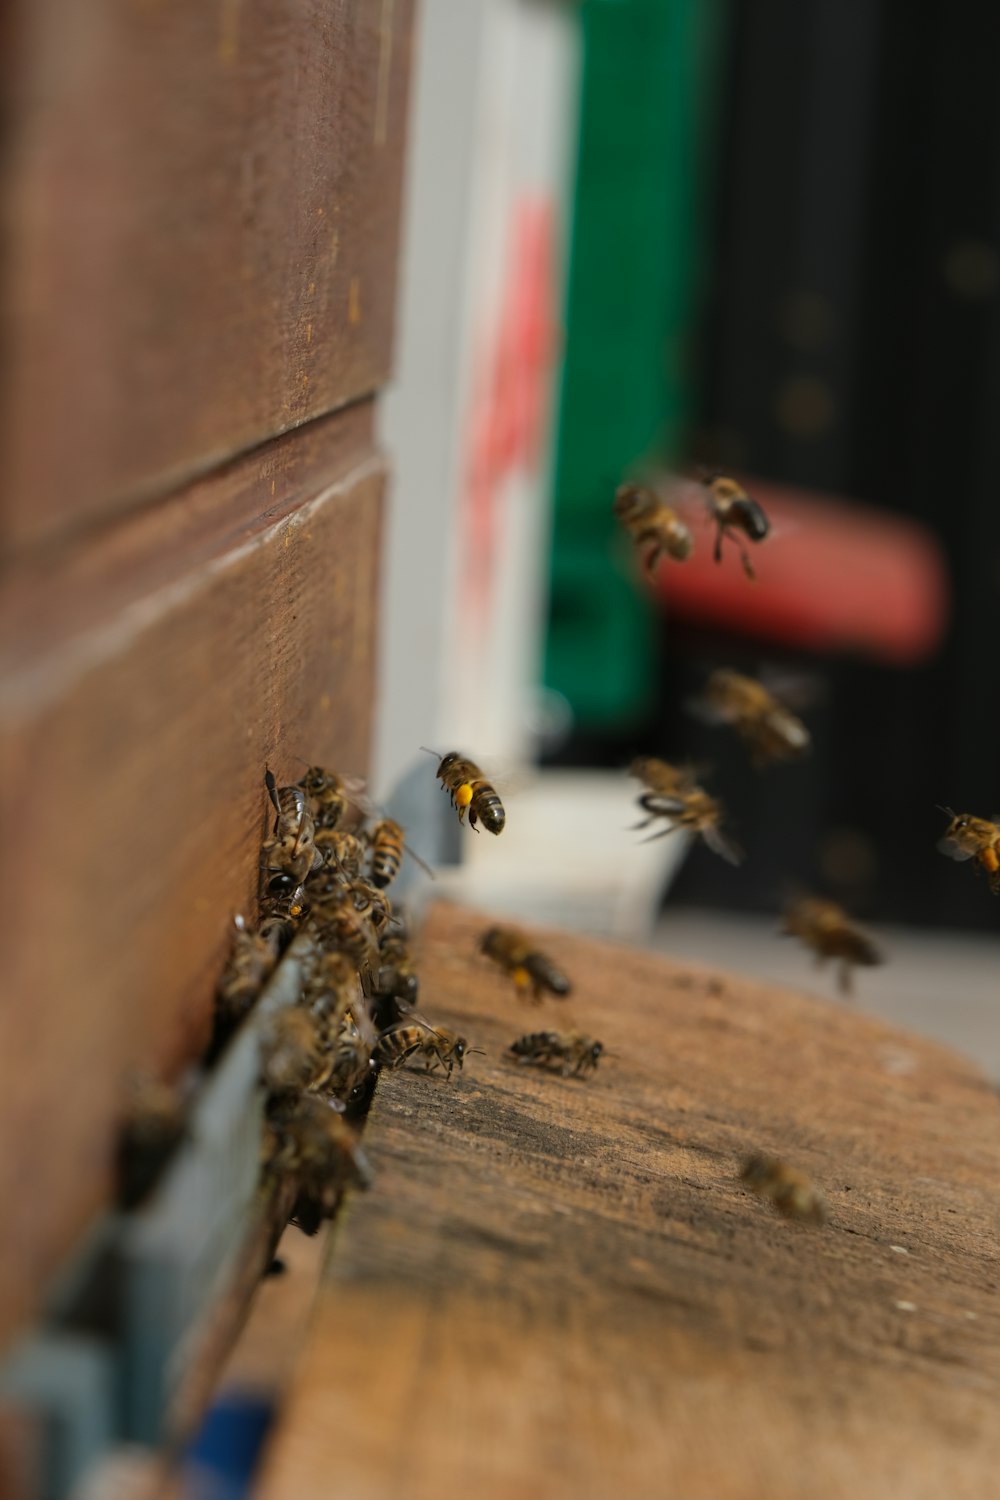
491, 153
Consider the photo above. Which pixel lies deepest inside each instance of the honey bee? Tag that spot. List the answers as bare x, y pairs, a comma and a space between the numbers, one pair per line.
371, 902
827, 929
330, 985
967, 837
397, 976
694, 810
435, 1044
468, 788
294, 1053
283, 906
327, 794
530, 970
652, 524
353, 1053
343, 853
339, 926
291, 851
308, 1140
250, 964
576, 1054
789, 1191
770, 730
387, 846
734, 513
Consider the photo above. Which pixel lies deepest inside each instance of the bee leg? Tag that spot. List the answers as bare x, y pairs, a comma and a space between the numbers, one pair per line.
747, 564
717, 552
670, 828
652, 558
845, 978
634, 827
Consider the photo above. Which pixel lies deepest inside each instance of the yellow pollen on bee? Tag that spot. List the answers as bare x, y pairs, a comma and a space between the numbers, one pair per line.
464, 794
522, 978
990, 860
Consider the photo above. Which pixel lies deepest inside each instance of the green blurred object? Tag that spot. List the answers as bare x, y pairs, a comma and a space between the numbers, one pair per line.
637, 255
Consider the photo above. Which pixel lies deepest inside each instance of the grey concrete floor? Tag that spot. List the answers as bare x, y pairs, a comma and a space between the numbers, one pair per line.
943, 984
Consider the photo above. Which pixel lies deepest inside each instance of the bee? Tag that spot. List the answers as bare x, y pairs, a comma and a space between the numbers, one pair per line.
694, 810
576, 1054
343, 853
330, 986
827, 929
308, 1140
397, 976
327, 794
770, 730
371, 902
353, 1053
530, 970
435, 1044
338, 925
734, 515
284, 905
967, 837
468, 788
250, 964
294, 1053
291, 851
790, 1192
661, 778
387, 846
652, 524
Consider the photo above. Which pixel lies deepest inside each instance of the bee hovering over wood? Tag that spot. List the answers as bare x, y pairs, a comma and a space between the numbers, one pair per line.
787, 1190
735, 515
771, 731
434, 1044
655, 527
574, 1053
827, 929
468, 788
689, 806
530, 969
967, 837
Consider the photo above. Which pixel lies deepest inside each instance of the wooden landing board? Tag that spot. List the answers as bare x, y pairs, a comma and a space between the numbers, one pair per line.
559, 1288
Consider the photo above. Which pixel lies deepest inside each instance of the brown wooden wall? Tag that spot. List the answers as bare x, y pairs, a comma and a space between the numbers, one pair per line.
201, 211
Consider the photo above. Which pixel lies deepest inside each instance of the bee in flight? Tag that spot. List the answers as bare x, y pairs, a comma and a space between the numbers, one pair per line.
468, 788
574, 1053
434, 1044
530, 970
685, 805
789, 1191
655, 527
762, 721
735, 515
827, 929
967, 837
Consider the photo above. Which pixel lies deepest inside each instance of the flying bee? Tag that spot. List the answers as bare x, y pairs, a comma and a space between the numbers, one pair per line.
734, 515
655, 527
827, 929
576, 1054
435, 1044
468, 788
291, 851
967, 837
789, 1191
694, 810
308, 1140
250, 964
530, 969
662, 779
770, 730
294, 1052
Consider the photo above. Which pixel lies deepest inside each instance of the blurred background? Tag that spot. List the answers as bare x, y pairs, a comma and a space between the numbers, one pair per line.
706, 231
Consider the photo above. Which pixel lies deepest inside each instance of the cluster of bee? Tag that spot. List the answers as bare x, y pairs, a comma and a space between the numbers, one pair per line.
660, 530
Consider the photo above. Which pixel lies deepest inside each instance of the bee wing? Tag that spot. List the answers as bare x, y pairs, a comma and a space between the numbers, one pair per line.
721, 844
953, 850
707, 712
421, 862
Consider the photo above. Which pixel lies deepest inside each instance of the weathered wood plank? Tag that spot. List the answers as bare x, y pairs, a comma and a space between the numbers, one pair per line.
561, 1288
132, 796
202, 207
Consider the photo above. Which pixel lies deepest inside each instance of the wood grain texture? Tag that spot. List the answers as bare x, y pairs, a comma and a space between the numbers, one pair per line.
201, 204
132, 750
559, 1288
